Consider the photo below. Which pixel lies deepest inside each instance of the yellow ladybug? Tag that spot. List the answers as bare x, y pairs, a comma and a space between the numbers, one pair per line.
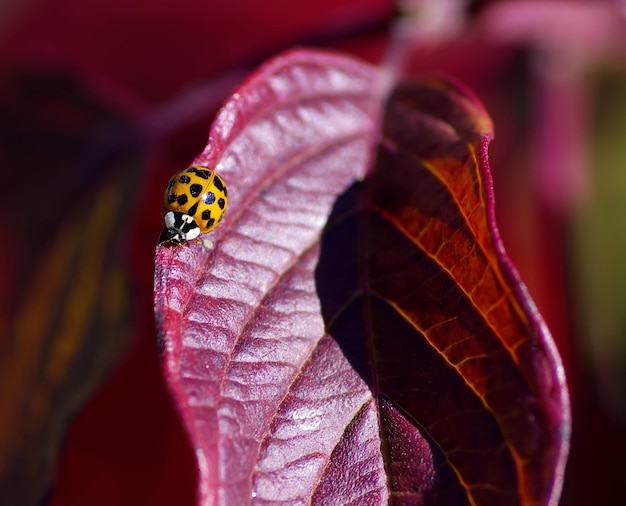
195, 201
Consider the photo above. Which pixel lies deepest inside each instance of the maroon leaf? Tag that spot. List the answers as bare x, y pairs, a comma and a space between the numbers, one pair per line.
352, 342
72, 164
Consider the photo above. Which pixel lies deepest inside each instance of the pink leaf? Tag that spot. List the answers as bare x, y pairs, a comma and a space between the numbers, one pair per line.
358, 343
265, 395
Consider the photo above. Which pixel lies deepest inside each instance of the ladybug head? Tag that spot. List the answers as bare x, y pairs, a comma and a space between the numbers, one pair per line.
180, 227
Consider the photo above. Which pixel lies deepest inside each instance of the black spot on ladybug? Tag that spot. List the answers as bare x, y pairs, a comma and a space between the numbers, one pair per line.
184, 179
192, 210
209, 197
182, 200
206, 215
221, 203
195, 190
170, 184
171, 198
210, 223
204, 174
225, 192
219, 184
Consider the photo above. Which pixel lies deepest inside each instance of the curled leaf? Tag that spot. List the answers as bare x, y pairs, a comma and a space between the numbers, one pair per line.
458, 346
357, 334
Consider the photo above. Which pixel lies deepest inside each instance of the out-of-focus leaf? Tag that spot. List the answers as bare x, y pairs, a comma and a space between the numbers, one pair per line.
154, 50
349, 341
599, 248
71, 166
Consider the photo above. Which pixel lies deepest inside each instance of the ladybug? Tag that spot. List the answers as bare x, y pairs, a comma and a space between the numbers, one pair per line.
195, 200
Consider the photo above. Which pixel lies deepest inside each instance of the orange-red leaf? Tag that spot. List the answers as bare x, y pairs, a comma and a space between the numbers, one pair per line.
457, 346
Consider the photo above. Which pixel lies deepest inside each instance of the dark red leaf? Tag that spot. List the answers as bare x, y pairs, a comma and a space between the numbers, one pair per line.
71, 166
348, 341
446, 304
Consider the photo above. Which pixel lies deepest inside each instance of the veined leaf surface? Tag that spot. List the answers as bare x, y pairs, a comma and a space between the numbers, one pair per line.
357, 333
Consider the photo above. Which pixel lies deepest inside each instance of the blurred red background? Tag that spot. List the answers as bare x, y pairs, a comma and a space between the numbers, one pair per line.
163, 68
